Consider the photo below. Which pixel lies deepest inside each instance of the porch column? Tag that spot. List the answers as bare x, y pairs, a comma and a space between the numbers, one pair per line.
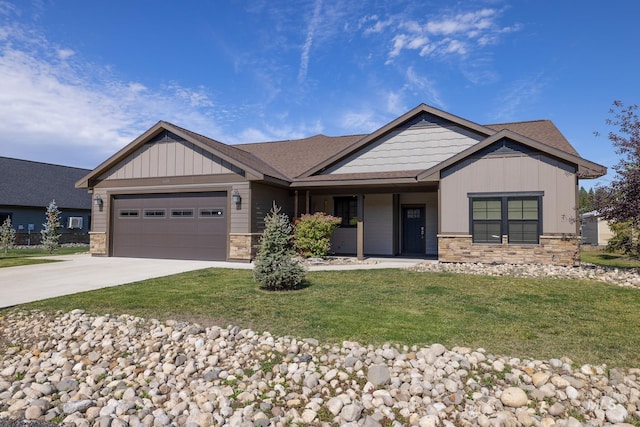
308, 201
295, 204
360, 228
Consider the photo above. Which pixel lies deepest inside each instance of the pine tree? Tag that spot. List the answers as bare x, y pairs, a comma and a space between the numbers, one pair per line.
276, 265
49, 232
7, 235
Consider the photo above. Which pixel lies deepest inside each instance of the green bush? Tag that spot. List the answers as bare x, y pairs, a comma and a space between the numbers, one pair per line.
313, 234
626, 239
276, 266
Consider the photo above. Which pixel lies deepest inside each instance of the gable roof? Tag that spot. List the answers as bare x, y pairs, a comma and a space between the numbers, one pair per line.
255, 168
389, 127
540, 130
35, 184
586, 168
296, 162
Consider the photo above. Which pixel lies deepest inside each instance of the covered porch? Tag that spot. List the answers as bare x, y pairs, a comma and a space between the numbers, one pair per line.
377, 222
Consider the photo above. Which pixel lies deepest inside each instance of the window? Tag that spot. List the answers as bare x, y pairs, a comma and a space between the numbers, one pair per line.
154, 213
129, 213
346, 208
516, 216
182, 213
522, 218
211, 213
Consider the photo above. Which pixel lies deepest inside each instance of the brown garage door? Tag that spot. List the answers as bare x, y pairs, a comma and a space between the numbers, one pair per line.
174, 226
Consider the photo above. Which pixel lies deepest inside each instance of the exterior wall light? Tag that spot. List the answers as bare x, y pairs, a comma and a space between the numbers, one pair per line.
97, 200
235, 198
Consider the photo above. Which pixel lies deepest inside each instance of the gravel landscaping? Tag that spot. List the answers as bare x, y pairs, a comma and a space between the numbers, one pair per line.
110, 371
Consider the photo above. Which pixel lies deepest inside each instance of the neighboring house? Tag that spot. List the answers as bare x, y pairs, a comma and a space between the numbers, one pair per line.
595, 230
426, 184
27, 188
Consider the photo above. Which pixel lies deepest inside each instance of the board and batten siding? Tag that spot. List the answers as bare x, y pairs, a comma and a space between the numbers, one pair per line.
167, 158
262, 199
413, 148
526, 173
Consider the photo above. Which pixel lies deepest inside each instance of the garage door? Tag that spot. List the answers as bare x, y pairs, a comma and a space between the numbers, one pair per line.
174, 226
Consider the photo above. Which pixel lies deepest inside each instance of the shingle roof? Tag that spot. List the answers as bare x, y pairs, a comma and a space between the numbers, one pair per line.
541, 130
293, 157
34, 184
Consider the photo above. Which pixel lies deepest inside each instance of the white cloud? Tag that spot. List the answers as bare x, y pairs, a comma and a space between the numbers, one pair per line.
306, 48
423, 87
52, 100
444, 35
359, 121
522, 92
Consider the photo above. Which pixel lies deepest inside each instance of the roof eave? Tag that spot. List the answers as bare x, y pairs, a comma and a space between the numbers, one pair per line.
422, 108
591, 169
353, 182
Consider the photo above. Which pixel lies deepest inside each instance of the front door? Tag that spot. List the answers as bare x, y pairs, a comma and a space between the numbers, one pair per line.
413, 230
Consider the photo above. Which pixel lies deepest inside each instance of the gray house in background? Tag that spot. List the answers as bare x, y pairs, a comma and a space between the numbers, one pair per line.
427, 184
27, 188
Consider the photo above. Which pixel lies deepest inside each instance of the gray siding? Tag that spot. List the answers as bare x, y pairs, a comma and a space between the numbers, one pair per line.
262, 199
510, 174
413, 148
378, 224
169, 157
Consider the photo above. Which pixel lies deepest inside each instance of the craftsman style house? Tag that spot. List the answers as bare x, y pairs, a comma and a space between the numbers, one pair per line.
428, 183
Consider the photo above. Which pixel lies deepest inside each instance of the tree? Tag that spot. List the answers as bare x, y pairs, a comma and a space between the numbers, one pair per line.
619, 203
49, 232
585, 200
7, 235
277, 267
313, 234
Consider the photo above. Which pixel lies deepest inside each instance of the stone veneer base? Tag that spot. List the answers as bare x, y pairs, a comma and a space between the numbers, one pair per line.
553, 250
98, 243
243, 246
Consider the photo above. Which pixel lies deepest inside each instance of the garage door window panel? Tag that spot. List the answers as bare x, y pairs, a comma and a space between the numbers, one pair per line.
182, 213
154, 213
129, 213
211, 213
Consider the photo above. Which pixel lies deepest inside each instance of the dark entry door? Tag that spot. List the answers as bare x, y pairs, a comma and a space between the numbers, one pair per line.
413, 230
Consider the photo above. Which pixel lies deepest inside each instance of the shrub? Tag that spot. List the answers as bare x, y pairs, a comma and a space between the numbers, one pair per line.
276, 265
626, 239
313, 234
7, 235
49, 232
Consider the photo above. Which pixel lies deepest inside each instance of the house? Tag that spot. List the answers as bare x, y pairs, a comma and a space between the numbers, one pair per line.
595, 230
27, 188
428, 183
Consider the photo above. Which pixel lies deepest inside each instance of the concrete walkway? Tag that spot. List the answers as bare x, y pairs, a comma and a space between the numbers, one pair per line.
79, 273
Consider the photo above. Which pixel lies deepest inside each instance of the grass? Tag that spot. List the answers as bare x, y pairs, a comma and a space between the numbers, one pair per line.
589, 322
609, 259
31, 255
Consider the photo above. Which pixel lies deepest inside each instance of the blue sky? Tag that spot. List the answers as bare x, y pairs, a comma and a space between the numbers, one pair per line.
80, 79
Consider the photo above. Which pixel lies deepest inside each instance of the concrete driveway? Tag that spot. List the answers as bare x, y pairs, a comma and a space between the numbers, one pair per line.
79, 273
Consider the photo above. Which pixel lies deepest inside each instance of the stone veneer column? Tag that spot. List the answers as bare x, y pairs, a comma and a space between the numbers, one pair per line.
553, 250
243, 246
97, 243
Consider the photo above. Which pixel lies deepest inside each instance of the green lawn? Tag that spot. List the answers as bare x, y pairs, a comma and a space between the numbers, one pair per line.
589, 322
608, 259
28, 256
